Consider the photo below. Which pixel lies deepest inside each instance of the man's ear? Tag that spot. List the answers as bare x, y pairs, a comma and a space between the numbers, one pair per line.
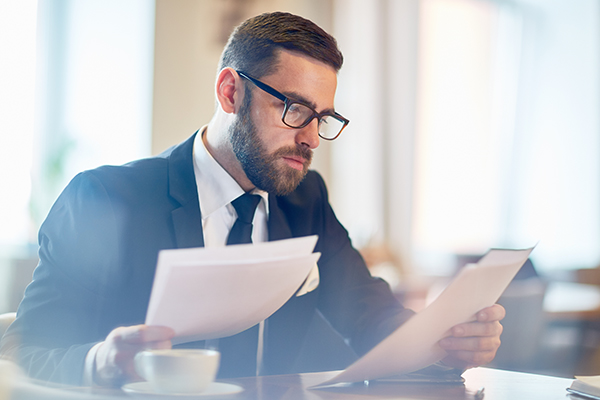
229, 90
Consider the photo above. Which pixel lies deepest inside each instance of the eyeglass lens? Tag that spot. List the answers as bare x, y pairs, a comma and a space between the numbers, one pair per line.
298, 115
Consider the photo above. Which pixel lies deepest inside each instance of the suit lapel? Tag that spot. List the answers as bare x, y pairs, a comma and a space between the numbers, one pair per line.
278, 224
187, 221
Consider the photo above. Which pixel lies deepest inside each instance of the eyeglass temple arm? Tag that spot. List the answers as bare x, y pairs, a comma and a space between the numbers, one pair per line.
264, 87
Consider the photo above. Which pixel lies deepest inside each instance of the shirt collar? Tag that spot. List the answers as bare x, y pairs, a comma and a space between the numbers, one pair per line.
216, 188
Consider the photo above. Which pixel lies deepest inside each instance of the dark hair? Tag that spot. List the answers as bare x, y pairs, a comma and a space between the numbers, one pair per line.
253, 46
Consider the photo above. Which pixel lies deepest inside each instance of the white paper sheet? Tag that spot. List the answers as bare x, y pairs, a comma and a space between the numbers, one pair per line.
414, 344
206, 293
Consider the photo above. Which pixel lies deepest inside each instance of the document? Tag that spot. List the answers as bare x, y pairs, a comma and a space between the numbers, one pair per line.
414, 345
207, 293
586, 386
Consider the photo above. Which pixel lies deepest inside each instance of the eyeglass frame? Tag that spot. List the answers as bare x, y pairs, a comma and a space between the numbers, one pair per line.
288, 102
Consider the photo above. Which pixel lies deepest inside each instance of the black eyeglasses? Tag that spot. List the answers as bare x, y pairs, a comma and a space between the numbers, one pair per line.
297, 114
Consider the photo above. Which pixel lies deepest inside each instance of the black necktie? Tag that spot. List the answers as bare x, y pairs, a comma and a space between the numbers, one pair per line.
238, 352
245, 205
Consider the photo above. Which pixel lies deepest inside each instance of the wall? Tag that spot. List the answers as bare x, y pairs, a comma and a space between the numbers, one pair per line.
189, 38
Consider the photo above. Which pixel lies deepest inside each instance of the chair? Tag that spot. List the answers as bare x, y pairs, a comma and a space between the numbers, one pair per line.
524, 323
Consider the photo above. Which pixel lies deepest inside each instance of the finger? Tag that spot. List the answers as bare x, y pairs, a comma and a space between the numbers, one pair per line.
111, 364
468, 359
141, 334
160, 345
125, 363
477, 329
451, 361
471, 344
492, 313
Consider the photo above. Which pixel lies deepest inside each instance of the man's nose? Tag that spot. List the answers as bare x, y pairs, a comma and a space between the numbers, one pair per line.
309, 135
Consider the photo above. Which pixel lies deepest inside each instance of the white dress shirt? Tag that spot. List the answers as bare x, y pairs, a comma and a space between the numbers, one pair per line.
216, 190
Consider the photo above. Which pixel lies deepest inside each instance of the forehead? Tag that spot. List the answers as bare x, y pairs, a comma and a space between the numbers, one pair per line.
305, 77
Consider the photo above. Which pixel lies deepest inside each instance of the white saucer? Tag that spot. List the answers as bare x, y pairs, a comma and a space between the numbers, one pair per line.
215, 389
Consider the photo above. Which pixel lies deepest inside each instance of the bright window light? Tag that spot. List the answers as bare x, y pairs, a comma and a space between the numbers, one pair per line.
17, 102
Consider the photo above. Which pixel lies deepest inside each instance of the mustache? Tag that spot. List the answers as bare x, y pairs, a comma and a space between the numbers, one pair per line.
298, 151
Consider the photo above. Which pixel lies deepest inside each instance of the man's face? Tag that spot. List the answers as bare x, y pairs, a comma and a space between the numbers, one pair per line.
275, 157
260, 166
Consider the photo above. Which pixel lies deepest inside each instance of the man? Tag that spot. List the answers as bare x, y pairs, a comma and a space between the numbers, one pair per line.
81, 319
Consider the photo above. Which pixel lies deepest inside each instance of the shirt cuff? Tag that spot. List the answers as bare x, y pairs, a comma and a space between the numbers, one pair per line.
89, 366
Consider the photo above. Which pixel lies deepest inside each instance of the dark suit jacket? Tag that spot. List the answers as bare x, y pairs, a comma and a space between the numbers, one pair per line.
98, 252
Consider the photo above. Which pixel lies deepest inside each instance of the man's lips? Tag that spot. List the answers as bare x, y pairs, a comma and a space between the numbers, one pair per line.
295, 162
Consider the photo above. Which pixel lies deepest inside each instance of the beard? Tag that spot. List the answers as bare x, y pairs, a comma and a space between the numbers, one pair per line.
265, 170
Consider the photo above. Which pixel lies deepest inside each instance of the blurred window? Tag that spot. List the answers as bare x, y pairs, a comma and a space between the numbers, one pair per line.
17, 101
507, 139
77, 98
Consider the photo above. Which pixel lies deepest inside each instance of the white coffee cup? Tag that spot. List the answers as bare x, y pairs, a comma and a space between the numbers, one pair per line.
178, 370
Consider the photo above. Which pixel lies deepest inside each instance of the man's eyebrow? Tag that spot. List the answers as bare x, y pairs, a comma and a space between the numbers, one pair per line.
298, 97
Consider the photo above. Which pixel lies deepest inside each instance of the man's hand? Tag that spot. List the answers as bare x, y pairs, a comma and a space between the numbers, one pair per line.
474, 343
114, 358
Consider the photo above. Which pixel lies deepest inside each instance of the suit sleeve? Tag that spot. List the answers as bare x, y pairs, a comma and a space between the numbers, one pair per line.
360, 307
58, 320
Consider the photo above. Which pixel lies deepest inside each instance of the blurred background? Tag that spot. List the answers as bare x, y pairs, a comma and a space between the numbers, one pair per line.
474, 124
